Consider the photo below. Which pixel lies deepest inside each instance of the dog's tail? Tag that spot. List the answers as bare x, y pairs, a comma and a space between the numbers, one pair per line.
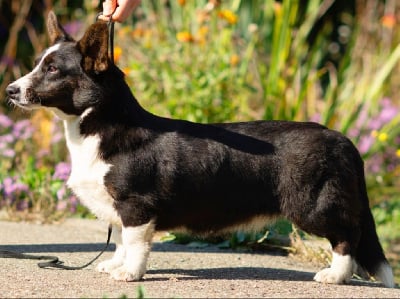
369, 254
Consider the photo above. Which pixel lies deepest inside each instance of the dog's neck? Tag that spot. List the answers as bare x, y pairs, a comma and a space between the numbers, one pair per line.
72, 128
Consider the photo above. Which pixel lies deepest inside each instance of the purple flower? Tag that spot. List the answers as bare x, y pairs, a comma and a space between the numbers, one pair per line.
57, 137
61, 205
8, 138
22, 129
5, 142
62, 171
12, 188
22, 204
5, 121
61, 194
8, 153
387, 113
374, 164
73, 27
316, 118
365, 143
73, 203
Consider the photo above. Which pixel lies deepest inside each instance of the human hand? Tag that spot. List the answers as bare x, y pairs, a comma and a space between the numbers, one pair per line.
123, 8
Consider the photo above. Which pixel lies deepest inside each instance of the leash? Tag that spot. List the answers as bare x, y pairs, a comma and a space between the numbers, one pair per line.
110, 25
54, 261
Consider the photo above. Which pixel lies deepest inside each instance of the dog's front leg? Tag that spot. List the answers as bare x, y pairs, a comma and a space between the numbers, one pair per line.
136, 242
118, 259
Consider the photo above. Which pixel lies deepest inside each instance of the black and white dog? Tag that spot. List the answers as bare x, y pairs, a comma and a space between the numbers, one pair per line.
143, 173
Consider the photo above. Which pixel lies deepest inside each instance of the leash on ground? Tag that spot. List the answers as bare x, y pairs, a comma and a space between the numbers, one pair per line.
54, 261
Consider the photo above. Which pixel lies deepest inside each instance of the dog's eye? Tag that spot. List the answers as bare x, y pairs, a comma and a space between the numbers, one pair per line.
52, 69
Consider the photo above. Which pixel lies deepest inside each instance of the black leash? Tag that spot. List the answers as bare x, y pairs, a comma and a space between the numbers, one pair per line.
110, 33
54, 261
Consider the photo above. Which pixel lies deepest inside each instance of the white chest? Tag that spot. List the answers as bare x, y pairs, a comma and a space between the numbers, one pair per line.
87, 174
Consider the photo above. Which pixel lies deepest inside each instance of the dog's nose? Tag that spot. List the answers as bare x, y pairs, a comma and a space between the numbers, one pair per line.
13, 91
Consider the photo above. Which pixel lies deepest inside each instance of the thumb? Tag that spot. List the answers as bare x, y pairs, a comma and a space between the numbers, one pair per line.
109, 7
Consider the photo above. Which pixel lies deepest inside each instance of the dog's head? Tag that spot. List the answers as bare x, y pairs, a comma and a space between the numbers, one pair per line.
65, 77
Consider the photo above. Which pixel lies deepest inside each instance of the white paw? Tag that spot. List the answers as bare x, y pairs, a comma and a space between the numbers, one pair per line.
329, 275
108, 265
122, 273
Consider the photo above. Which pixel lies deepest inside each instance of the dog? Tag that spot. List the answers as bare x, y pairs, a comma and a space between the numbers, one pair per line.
143, 173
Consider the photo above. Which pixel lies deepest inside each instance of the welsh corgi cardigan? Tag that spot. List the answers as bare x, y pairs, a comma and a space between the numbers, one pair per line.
143, 173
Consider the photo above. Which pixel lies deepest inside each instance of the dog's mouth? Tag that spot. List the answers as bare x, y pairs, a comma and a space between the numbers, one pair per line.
26, 106
27, 101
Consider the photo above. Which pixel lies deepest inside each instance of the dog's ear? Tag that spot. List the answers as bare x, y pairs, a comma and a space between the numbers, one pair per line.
55, 30
94, 48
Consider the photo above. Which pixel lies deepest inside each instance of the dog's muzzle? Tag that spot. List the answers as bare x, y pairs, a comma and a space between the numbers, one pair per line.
26, 99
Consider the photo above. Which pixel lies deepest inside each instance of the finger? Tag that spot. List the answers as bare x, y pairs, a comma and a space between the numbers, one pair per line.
124, 10
121, 14
109, 7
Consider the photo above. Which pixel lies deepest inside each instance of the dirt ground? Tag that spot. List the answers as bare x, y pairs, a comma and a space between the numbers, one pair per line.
174, 271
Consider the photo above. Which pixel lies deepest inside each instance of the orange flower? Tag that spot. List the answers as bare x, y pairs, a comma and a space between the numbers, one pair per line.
201, 36
228, 16
117, 53
184, 36
388, 21
181, 2
138, 32
202, 16
234, 60
126, 71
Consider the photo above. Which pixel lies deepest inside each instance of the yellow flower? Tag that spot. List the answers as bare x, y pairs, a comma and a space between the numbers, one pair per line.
382, 137
228, 16
184, 36
117, 53
201, 36
398, 153
42, 121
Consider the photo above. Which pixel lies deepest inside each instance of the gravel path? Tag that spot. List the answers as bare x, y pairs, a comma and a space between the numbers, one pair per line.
174, 271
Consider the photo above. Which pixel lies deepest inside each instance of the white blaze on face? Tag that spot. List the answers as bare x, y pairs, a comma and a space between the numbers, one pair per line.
26, 81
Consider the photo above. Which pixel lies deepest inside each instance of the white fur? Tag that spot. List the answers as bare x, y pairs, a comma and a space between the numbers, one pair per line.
119, 255
136, 245
26, 81
88, 171
385, 275
341, 270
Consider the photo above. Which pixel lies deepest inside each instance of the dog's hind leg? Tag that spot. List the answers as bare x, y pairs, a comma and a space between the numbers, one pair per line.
119, 255
136, 241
